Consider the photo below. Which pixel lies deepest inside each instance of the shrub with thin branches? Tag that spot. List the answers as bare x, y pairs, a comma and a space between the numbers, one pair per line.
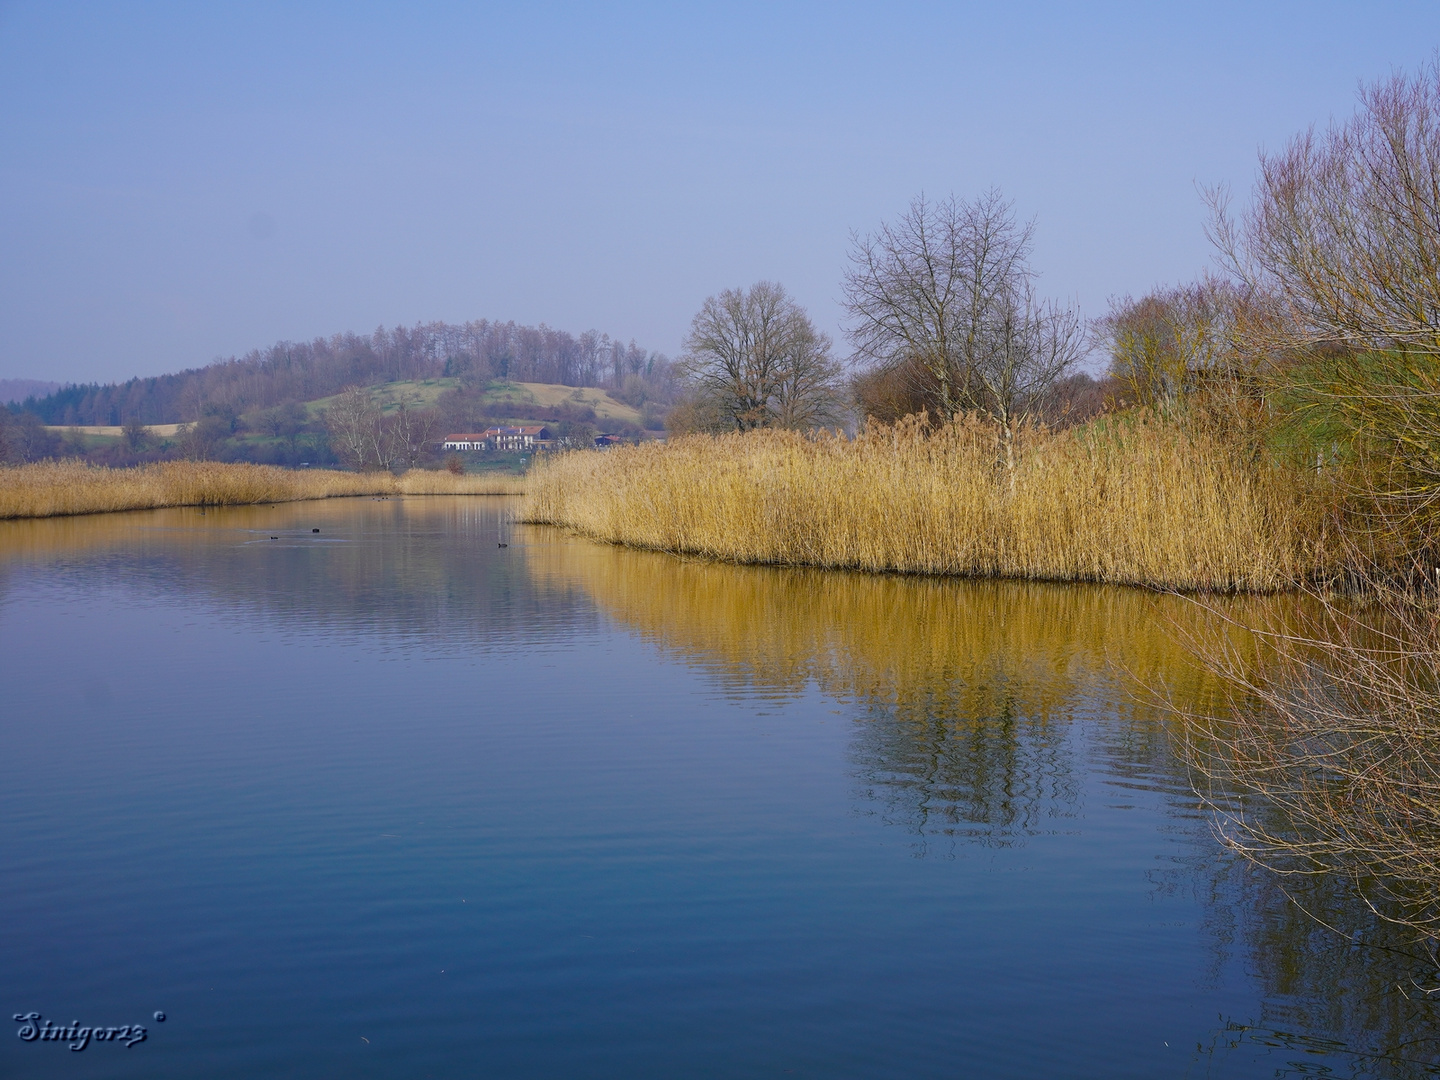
1324, 762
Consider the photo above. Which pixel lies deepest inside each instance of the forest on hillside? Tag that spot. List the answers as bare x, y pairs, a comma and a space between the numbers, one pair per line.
20, 389
476, 352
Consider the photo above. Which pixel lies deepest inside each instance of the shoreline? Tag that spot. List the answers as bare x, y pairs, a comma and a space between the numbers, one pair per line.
1143, 505
69, 488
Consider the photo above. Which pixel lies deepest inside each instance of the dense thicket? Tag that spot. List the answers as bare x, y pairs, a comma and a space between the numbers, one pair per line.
302, 371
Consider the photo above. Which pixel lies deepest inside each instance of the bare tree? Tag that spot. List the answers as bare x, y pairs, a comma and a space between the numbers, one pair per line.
889, 394
918, 291
285, 421
756, 356
1340, 250
807, 394
1026, 346
135, 434
23, 438
353, 420
1344, 230
202, 440
945, 300
1078, 398
411, 432
1325, 763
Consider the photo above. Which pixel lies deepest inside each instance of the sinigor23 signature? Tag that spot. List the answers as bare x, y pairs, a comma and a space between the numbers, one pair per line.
31, 1030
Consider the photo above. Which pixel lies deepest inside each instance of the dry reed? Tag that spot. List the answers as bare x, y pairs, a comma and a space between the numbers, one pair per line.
48, 489
1139, 503
441, 482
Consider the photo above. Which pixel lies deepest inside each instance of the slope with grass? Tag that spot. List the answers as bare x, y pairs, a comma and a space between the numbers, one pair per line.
413, 393
425, 393
552, 395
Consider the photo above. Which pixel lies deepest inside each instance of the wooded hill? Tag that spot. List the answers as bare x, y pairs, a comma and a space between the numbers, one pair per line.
20, 389
474, 352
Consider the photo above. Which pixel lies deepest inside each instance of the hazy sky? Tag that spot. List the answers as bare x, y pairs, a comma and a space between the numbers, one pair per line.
185, 181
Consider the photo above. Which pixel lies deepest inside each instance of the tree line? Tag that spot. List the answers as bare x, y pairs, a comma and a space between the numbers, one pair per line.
475, 352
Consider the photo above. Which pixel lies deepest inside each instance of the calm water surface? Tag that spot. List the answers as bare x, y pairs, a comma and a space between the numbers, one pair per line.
390, 800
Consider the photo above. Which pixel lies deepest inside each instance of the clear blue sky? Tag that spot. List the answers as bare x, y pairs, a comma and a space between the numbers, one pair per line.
185, 181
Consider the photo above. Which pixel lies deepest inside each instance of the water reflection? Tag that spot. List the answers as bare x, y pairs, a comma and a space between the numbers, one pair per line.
409, 569
1345, 992
982, 708
990, 717
970, 691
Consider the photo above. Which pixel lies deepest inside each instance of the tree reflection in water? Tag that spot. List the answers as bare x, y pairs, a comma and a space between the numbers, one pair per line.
980, 706
970, 691
1356, 1000
994, 779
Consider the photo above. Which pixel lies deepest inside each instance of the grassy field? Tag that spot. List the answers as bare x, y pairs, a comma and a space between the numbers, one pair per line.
415, 393
49, 489
111, 431
425, 393
1141, 503
605, 406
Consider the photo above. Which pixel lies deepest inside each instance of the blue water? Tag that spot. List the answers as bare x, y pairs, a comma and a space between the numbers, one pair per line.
385, 801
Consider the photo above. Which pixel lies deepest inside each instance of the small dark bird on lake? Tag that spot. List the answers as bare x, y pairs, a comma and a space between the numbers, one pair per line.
504, 545
274, 538
314, 530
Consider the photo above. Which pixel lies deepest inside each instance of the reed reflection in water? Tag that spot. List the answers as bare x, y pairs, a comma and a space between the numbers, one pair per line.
982, 708
989, 863
970, 690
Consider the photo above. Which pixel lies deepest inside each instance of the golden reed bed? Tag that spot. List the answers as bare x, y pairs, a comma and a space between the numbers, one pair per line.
47, 489
1139, 503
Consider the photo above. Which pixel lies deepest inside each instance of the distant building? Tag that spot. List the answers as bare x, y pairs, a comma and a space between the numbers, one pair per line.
606, 439
523, 437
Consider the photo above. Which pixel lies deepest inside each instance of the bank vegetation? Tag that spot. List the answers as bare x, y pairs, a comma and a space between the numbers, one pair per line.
54, 488
1134, 501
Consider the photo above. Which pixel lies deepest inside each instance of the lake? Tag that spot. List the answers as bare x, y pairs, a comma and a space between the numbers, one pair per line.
390, 799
